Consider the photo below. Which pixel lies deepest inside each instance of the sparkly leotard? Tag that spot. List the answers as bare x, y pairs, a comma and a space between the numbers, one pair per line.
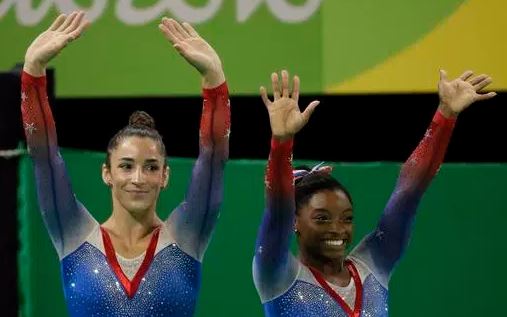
167, 280
289, 288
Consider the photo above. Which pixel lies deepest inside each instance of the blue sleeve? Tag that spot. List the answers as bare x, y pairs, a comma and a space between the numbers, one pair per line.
193, 221
66, 219
274, 267
383, 248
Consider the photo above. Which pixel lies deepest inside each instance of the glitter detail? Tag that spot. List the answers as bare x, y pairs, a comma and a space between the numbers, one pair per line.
169, 287
308, 300
130, 266
30, 127
379, 234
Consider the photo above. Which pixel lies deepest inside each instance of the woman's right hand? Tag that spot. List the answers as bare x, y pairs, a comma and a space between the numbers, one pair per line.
49, 43
284, 115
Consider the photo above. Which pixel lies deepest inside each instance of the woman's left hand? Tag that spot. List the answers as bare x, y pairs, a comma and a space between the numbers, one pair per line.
195, 50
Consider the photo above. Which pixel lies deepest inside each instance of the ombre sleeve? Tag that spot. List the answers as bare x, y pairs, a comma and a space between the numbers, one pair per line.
274, 267
193, 221
66, 219
383, 248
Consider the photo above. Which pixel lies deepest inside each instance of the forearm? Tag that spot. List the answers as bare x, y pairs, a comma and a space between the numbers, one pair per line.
220, 129
274, 268
195, 219
387, 243
276, 228
65, 218
425, 161
221, 126
38, 123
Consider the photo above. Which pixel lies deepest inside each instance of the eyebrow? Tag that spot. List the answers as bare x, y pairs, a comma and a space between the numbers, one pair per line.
326, 210
128, 159
321, 210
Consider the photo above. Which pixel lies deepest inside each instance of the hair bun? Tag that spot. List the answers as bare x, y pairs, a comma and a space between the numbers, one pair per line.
142, 120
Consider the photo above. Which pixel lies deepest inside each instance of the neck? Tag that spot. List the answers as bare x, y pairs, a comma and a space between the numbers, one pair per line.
333, 269
131, 227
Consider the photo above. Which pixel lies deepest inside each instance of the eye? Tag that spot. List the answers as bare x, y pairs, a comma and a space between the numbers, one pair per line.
152, 167
322, 218
125, 166
348, 219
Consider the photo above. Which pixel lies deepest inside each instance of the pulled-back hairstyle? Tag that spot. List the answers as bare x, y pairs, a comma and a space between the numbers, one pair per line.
312, 182
141, 125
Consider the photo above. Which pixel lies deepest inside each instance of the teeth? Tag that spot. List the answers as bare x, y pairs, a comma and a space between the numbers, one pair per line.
334, 242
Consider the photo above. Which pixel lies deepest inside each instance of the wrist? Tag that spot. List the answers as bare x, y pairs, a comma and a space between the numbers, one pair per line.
286, 144
213, 78
34, 68
446, 111
282, 138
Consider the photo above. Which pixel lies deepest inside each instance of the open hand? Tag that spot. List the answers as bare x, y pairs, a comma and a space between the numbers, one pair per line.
284, 115
195, 50
49, 43
458, 94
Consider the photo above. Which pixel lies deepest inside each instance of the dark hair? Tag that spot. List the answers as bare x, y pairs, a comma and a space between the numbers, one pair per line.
141, 125
313, 182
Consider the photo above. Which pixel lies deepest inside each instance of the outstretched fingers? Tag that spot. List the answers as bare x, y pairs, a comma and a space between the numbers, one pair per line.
75, 23
309, 110
285, 84
443, 75
181, 30
466, 75
190, 30
295, 89
276, 86
68, 21
487, 96
483, 83
58, 22
83, 24
477, 79
166, 33
264, 96
169, 31
480, 82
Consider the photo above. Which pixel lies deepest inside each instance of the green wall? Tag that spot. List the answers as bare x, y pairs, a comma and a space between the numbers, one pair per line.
453, 266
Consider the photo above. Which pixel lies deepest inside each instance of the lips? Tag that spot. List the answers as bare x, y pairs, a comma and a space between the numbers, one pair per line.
334, 243
137, 192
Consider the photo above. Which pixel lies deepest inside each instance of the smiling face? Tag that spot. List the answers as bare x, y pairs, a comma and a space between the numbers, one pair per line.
136, 174
324, 225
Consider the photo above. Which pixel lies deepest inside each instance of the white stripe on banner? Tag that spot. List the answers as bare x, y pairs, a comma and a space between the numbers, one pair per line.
12, 153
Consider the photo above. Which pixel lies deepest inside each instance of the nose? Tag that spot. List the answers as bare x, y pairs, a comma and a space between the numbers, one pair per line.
338, 227
138, 176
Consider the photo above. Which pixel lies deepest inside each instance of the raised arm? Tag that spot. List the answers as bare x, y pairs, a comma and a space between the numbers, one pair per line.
67, 221
384, 247
194, 219
273, 268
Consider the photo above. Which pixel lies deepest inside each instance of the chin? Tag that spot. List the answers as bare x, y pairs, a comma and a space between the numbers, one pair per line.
333, 255
138, 208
